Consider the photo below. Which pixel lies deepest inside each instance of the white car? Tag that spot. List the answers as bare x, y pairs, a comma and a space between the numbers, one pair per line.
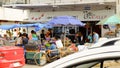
106, 42
101, 43
87, 58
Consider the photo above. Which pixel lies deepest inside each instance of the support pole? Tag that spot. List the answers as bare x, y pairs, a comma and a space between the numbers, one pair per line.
118, 7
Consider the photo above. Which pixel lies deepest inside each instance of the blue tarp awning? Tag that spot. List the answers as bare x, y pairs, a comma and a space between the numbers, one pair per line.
6, 27
37, 26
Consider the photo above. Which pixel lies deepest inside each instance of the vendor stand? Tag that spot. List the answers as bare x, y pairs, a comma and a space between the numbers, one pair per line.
117, 30
110, 34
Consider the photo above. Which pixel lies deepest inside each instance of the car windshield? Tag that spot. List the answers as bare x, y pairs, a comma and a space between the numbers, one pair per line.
4, 42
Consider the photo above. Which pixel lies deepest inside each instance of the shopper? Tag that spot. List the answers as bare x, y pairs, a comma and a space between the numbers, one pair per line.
95, 37
33, 36
15, 34
18, 41
24, 39
80, 38
90, 38
42, 35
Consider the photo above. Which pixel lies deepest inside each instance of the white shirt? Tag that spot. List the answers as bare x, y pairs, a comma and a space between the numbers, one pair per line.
14, 34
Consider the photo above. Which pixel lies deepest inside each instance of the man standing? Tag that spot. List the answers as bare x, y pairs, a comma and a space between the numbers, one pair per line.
95, 37
42, 36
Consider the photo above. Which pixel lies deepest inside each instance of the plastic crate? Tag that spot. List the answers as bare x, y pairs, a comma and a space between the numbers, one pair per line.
31, 61
31, 47
30, 55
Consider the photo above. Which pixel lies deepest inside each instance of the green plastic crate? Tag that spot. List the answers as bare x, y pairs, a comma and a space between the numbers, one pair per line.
30, 55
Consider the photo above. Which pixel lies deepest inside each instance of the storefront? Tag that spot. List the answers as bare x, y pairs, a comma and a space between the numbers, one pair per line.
86, 16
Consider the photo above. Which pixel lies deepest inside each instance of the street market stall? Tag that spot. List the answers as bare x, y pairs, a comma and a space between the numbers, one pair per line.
65, 21
112, 20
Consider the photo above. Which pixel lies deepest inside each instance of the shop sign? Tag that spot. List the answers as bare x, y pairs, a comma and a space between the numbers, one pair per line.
86, 15
91, 15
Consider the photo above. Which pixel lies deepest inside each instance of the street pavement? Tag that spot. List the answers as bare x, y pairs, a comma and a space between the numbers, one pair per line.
31, 66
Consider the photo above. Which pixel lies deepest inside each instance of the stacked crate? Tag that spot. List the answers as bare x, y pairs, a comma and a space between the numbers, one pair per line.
31, 50
30, 57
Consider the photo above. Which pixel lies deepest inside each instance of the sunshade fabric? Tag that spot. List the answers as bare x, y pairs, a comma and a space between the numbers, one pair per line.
112, 20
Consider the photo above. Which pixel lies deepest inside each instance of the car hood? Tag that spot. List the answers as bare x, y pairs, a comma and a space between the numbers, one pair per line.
8, 47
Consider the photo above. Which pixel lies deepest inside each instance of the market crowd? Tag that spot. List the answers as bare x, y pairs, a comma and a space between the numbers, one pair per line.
48, 39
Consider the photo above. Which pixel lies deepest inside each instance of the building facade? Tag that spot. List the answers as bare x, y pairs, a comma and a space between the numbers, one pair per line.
88, 11
43, 10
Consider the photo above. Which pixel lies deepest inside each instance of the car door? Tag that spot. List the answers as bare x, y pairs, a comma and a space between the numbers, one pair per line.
113, 62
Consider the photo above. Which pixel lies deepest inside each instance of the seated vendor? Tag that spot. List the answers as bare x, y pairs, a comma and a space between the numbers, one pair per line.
51, 49
72, 47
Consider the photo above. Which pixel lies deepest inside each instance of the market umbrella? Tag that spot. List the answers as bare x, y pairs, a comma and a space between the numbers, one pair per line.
112, 20
65, 20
